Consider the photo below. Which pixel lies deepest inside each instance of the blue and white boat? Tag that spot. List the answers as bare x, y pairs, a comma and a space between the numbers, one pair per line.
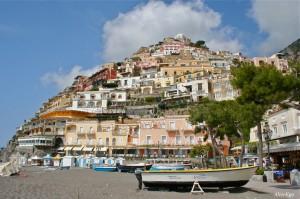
105, 168
108, 165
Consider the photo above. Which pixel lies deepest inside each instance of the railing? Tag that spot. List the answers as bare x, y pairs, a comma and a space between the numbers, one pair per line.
80, 133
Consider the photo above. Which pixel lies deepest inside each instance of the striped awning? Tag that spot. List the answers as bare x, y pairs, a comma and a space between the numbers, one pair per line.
87, 148
60, 148
77, 148
101, 149
68, 148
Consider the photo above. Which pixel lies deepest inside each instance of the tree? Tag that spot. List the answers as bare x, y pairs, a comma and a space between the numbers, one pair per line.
293, 100
242, 118
217, 123
261, 87
200, 44
200, 151
226, 118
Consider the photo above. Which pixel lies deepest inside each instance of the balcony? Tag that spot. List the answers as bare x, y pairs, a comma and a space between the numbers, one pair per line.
201, 93
35, 141
81, 133
91, 133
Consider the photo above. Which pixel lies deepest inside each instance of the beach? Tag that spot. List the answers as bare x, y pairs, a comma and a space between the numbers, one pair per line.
38, 183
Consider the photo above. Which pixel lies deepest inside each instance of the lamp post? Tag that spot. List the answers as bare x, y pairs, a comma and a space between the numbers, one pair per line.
267, 132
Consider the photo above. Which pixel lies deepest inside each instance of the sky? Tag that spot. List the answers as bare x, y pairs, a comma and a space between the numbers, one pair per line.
45, 44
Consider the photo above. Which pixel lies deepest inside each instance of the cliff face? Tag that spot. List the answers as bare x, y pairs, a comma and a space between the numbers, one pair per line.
292, 52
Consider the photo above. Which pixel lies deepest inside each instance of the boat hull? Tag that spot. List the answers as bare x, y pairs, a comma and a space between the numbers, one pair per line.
107, 169
234, 177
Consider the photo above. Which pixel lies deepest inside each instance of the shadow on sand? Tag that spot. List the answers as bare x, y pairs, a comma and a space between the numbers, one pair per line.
234, 190
286, 186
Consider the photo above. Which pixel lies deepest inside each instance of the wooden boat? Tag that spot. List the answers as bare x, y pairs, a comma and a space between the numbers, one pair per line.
229, 177
132, 167
105, 168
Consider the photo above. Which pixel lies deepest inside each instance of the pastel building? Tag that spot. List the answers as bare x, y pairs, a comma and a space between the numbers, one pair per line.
275, 60
221, 89
170, 136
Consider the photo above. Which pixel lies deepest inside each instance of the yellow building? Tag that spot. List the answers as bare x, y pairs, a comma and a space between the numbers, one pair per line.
80, 136
118, 136
162, 82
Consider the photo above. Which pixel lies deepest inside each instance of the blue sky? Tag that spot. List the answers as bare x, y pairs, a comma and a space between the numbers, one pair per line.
42, 41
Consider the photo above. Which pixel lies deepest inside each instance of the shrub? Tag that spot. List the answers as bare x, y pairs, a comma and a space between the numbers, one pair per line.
259, 171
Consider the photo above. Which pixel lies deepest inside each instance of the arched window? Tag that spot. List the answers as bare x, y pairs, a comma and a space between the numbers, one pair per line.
113, 96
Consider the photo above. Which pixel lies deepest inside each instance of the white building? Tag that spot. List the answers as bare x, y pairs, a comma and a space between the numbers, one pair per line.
129, 82
221, 89
285, 136
220, 63
197, 89
97, 101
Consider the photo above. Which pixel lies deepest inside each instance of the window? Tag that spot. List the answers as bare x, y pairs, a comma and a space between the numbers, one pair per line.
162, 125
119, 141
164, 139
147, 126
284, 128
148, 139
172, 125
125, 82
229, 93
107, 142
217, 85
189, 125
114, 141
275, 130
100, 141
81, 130
178, 139
199, 87
217, 95
192, 139
119, 96
91, 129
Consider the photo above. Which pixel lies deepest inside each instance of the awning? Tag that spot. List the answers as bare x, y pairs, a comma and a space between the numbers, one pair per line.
77, 148
284, 147
87, 148
103, 149
236, 148
68, 148
60, 148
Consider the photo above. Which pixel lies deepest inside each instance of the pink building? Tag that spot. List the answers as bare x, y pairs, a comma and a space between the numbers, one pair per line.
169, 136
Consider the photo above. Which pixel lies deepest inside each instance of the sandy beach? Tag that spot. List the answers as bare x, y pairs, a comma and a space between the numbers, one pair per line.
37, 183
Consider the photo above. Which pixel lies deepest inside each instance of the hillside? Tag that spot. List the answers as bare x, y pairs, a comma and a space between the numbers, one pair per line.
292, 52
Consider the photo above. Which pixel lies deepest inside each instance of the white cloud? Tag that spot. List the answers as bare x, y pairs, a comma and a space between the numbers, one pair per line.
280, 20
63, 79
148, 23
